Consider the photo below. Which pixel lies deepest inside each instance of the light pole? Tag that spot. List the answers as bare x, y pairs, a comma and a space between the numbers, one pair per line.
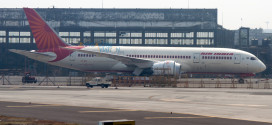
188, 4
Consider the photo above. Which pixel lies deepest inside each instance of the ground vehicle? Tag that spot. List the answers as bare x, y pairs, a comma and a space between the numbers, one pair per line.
98, 81
28, 78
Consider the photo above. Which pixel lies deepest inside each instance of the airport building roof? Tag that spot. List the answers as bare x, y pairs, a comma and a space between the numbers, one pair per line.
144, 18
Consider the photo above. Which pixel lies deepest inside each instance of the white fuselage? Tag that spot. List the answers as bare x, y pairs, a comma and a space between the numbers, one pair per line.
193, 60
53, 50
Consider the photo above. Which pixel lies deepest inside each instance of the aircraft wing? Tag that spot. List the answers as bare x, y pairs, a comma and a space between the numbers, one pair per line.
140, 63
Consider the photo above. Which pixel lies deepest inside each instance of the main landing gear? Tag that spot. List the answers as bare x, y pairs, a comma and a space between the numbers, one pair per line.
241, 80
242, 76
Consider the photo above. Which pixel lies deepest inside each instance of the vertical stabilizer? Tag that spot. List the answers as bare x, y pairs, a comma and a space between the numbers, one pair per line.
45, 36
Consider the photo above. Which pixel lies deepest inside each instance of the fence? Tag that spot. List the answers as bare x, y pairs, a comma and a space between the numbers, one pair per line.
154, 81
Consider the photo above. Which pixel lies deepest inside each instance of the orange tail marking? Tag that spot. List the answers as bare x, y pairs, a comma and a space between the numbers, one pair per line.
45, 36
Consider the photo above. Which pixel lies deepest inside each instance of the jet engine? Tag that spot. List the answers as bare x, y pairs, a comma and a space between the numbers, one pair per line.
166, 68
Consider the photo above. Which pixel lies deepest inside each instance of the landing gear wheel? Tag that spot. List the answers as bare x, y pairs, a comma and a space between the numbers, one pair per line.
241, 81
23, 80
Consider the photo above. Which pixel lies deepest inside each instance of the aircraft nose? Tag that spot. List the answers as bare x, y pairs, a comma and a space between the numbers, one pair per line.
262, 67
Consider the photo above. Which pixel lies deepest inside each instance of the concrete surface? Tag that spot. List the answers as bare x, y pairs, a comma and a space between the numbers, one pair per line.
240, 104
91, 116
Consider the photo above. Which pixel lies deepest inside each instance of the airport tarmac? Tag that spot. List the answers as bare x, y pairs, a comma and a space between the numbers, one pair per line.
189, 106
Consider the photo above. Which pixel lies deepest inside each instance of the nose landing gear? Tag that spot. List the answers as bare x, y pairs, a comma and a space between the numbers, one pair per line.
241, 80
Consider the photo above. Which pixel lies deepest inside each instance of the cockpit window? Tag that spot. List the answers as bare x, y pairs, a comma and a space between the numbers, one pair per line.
252, 58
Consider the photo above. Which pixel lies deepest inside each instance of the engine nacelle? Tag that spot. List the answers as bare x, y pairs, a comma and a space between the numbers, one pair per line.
166, 68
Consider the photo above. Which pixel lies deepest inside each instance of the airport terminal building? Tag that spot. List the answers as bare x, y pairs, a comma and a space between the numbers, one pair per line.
116, 27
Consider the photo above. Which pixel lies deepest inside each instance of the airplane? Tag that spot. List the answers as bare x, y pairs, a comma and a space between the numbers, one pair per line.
136, 60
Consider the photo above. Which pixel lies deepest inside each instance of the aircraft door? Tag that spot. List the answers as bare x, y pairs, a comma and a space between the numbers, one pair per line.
237, 59
196, 57
71, 59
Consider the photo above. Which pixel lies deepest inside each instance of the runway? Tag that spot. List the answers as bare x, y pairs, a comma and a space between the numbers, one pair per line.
144, 105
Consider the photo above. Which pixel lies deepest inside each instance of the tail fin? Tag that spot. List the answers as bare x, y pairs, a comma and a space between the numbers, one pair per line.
45, 36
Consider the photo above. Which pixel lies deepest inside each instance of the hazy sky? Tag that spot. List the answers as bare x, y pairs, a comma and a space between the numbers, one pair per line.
232, 13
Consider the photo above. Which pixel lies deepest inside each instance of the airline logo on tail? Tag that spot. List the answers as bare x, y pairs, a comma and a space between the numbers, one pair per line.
46, 38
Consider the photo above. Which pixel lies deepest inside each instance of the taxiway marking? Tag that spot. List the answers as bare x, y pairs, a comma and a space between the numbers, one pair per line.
27, 106
173, 100
247, 105
173, 117
107, 111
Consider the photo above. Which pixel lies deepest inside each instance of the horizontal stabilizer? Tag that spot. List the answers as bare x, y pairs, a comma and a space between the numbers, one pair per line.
33, 54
